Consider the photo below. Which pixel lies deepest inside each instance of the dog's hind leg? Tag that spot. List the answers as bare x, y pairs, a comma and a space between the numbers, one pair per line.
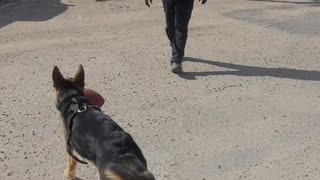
70, 171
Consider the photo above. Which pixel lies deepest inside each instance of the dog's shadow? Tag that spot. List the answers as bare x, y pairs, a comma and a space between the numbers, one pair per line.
242, 70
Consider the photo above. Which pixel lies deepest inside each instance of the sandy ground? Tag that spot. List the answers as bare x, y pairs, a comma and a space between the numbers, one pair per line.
247, 106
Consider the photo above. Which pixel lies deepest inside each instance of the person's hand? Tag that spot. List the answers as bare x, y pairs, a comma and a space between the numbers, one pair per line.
148, 2
202, 1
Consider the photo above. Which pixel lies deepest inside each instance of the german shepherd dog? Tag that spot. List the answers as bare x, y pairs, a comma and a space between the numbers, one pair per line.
93, 136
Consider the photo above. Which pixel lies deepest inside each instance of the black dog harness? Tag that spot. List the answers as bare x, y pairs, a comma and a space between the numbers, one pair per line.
81, 109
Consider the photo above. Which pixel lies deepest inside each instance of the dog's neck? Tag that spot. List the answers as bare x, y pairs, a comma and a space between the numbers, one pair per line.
69, 101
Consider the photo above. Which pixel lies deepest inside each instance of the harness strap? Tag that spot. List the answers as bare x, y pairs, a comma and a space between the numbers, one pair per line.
69, 141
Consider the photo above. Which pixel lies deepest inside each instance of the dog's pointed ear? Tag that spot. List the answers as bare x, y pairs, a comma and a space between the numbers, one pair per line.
58, 79
79, 77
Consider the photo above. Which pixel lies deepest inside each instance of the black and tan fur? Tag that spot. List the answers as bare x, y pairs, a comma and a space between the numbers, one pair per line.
96, 138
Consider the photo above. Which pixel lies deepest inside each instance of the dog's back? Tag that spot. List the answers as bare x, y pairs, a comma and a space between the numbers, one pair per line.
100, 140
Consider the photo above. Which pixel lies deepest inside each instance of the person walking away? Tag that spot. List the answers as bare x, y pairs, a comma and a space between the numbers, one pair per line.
177, 14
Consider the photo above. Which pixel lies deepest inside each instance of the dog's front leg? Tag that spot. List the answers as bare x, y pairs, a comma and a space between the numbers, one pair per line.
70, 171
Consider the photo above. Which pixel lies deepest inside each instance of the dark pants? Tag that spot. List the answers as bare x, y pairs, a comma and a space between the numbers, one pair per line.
178, 14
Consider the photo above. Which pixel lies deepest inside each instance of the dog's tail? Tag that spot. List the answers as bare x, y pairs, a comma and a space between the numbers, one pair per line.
127, 174
116, 172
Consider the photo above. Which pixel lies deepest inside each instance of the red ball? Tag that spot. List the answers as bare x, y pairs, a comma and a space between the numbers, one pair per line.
93, 97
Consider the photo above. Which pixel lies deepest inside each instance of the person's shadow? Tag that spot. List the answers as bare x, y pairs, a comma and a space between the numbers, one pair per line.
242, 70
29, 10
312, 2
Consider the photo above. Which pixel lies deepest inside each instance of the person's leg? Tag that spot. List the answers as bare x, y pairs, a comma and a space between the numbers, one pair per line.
170, 13
183, 14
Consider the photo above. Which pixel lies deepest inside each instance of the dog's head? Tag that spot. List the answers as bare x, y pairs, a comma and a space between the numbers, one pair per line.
60, 83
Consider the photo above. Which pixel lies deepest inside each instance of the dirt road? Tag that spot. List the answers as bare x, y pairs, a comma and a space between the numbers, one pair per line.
247, 106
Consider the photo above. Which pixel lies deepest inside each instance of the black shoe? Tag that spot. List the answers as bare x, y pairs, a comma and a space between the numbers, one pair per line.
176, 67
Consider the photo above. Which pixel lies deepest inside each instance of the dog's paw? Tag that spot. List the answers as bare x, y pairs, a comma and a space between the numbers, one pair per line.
76, 178
69, 178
